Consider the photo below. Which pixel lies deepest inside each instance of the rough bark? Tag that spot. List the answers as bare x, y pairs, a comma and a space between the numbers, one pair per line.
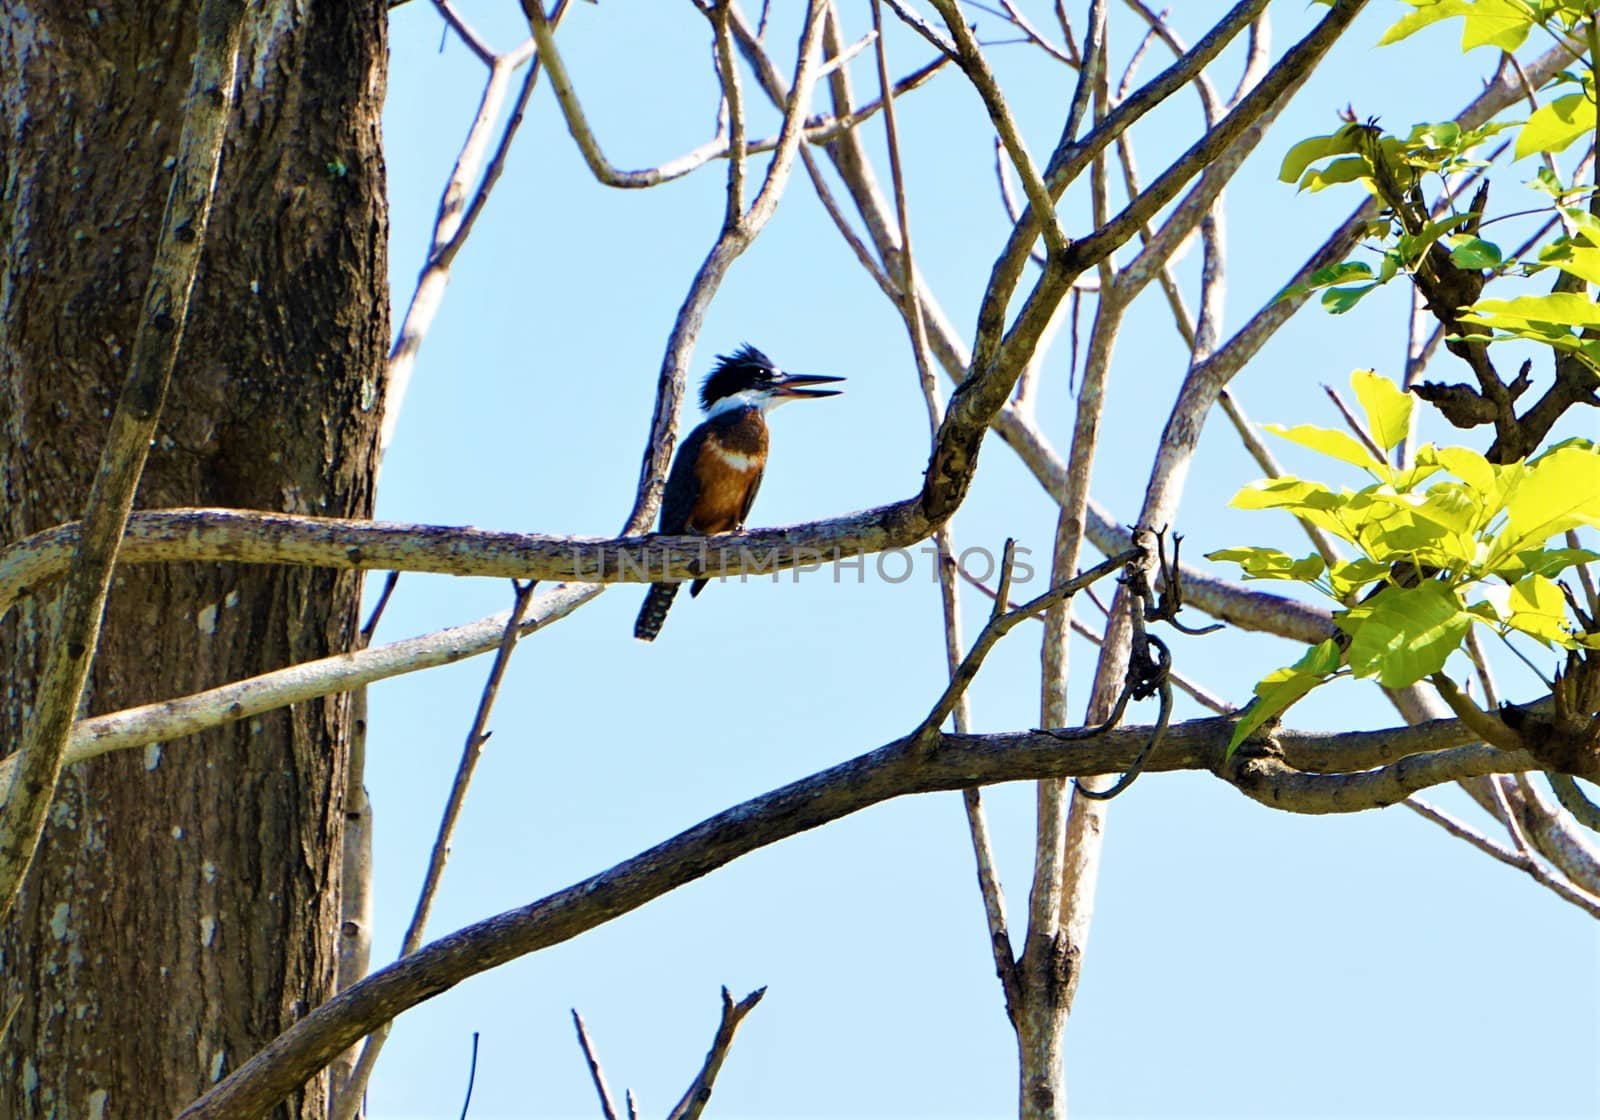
183, 908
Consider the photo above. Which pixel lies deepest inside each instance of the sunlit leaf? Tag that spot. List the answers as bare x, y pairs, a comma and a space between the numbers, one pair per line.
1495, 606
1445, 135
1287, 492
1582, 261
1559, 491
1270, 563
1556, 125
1465, 463
1545, 561
1408, 633
1538, 609
1310, 150
1428, 12
1563, 309
1412, 245
1348, 169
1283, 687
1345, 448
1497, 23
1352, 575
1339, 273
1388, 409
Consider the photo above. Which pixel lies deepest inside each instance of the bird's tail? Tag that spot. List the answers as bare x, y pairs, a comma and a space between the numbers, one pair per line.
654, 611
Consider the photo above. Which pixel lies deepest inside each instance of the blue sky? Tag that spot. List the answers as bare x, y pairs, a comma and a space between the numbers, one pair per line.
1242, 962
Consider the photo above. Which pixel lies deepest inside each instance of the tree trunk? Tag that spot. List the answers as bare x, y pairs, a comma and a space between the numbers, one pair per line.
183, 907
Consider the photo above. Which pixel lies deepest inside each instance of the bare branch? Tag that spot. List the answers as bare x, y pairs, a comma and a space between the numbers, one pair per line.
911, 312
247, 537
694, 1099
999, 625
1520, 860
468, 35
1574, 800
970, 58
903, 767
343, 672
607, 1105
348, 1101
456, 217
1281, 81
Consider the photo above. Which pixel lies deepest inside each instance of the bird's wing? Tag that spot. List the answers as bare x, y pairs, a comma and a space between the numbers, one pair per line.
683, 485
749, 499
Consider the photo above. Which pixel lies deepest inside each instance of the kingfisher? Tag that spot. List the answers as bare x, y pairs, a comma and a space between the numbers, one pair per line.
717, 469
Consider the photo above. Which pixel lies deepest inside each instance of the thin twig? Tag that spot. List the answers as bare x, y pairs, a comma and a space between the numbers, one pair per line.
1490, 728
999, 625
971, 60
694, 1099
472, 1076
349, 1099
474, 42
1522, 862
607, 1105
370, 627
456, 217
1198, 692
1354, 424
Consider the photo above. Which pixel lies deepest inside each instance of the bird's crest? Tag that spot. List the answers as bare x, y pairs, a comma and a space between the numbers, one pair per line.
741, 369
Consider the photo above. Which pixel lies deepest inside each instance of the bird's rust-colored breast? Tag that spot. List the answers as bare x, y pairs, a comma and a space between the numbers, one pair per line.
728, 470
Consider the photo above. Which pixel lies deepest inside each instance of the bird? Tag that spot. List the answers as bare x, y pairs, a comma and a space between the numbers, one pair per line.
717, 470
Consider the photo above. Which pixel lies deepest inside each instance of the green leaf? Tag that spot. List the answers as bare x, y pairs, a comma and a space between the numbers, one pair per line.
1310, 150
1269, 563
1287, 492
1476, 253
1352, 575
1557, 309
1407, 633
1309, 501
1340, 300
1338, 445
1556, 125
1545, 561
1412, 245
1282, 687
1388, 409
1438, 135
1465, 463
1339, 273
1559, 490
1428, 12
1497, 23
1582, 261
1346, 170
1538, 609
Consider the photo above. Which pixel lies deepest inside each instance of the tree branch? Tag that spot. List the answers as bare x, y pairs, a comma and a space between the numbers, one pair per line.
694, 1099
897, 769
248, 537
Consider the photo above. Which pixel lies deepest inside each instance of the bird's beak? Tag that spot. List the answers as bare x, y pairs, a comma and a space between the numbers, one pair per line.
793, 386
